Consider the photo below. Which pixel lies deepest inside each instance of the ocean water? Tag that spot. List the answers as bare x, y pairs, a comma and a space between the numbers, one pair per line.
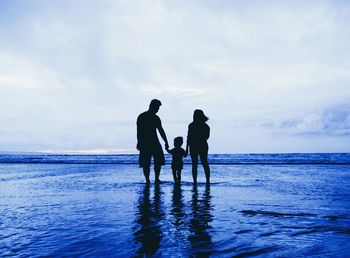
224, 159
281, 205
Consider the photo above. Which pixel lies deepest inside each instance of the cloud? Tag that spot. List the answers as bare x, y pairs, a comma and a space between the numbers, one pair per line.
78, 80
334, 121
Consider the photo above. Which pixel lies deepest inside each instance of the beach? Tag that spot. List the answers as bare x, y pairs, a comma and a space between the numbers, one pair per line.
103, 103
95, 210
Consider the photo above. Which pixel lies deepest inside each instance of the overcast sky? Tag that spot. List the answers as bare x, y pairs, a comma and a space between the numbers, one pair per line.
273, 76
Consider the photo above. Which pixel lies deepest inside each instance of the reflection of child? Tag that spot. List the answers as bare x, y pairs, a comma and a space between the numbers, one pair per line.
177, 154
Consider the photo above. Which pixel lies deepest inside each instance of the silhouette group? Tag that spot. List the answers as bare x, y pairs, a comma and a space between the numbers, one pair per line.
190, 219
148, 123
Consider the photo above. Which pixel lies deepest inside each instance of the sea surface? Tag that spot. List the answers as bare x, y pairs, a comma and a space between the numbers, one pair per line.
257, 205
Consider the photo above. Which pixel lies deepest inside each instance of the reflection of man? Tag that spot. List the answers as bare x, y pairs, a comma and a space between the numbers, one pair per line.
147, 230
147, 140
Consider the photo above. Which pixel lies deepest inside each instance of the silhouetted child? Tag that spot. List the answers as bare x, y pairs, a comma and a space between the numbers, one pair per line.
177, 153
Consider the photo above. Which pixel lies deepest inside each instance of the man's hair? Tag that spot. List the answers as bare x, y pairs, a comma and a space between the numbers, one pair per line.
155, 103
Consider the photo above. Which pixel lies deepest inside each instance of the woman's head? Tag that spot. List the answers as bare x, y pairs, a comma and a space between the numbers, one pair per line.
199, 117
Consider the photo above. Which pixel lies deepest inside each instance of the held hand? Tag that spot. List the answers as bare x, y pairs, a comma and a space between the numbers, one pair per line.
166, 146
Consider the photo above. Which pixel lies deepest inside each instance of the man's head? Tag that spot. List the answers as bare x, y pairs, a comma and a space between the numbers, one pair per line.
154, 105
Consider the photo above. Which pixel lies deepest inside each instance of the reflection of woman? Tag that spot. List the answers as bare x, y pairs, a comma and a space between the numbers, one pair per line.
198, 134
200, 238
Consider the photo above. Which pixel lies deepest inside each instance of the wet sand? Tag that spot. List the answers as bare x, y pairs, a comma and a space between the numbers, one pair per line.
108, 210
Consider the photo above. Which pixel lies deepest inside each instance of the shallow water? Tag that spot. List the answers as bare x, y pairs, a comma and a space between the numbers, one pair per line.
107, 210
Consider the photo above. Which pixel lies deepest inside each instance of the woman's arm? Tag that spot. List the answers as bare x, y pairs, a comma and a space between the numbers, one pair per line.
207, 133
185, 152
138, 130
189, 136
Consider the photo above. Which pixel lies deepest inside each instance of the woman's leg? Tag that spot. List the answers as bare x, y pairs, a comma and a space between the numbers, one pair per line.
204, 160
194, 158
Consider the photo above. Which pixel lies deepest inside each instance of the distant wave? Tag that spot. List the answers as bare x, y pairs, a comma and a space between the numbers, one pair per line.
276, 214
220, 159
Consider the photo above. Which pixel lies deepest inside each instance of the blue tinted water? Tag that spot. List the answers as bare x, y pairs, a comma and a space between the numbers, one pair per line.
95, 210
290, 158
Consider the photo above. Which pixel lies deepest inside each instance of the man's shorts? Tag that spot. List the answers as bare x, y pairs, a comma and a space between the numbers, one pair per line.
147, 153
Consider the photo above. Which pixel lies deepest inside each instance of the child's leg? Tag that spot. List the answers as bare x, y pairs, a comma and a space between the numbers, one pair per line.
179, 175
174, 174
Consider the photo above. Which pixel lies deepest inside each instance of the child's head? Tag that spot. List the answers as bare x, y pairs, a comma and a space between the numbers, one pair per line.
178, 141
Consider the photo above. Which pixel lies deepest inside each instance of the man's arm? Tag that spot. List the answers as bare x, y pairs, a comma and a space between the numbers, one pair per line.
163, 135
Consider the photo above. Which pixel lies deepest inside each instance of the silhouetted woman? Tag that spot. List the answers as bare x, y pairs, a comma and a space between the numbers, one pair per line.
198, 134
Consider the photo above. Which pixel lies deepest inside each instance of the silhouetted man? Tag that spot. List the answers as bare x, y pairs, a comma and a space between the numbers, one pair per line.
147, 140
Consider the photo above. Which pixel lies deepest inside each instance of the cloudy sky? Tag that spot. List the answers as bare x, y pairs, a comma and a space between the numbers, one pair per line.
273, 76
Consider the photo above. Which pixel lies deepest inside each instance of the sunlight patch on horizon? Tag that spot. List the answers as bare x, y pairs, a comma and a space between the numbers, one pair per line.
89, 151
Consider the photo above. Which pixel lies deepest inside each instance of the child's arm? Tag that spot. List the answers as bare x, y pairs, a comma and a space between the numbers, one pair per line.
167, 150
185, 152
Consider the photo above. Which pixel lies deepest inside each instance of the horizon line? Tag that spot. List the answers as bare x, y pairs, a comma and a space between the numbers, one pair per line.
129, 152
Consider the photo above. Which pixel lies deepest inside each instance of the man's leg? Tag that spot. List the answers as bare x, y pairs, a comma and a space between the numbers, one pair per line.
157, 169
146, 172
159, 160
145, 163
